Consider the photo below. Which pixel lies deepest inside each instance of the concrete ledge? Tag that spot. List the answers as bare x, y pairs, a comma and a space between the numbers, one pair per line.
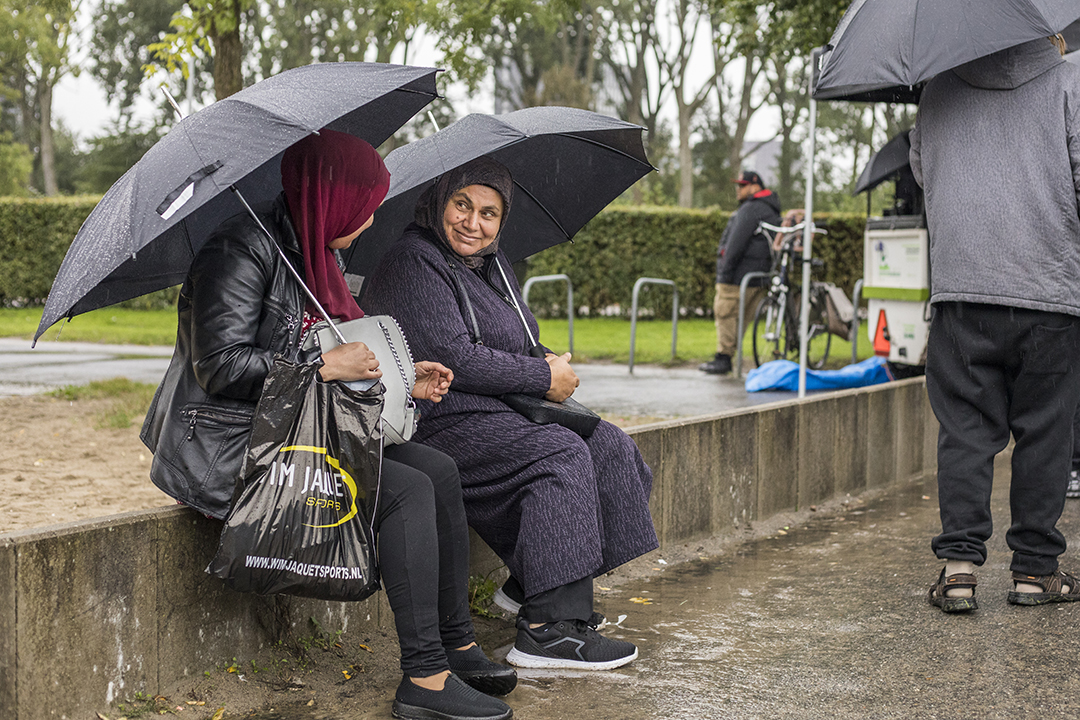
93, 611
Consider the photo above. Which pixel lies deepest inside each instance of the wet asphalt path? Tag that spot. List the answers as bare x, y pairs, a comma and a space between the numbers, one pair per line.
828, 620
651, 391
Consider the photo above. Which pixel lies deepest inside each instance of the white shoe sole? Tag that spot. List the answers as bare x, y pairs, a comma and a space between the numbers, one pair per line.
503, 601
520, 659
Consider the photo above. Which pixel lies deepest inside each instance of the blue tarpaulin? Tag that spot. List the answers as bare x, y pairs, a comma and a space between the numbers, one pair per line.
784, 375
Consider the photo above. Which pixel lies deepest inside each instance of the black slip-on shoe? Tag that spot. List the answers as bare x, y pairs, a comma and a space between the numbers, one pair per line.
456, 701
481, 672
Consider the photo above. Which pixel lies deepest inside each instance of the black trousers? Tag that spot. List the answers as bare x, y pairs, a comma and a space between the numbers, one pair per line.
423, 542
990, 371
1076, 438
572, 601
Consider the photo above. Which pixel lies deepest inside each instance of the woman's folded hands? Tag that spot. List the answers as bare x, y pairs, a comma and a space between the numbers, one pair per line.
432, 380
563, 378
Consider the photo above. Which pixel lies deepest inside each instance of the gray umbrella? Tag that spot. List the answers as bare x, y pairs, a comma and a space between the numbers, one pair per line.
886, 162
568, 164
145, 232
883, 50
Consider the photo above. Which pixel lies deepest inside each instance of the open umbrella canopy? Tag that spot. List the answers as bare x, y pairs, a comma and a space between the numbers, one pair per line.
883, 50
145, 232
886, 162
567, 164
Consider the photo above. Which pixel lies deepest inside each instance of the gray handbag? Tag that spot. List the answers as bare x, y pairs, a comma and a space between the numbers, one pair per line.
383, 336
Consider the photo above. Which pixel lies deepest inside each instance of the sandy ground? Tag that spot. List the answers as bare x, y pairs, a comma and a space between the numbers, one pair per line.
57, 463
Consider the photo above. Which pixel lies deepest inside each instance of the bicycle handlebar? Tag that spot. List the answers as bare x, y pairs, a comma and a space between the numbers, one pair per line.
793, 229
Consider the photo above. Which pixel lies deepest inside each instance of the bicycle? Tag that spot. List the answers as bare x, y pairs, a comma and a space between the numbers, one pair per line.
776, 320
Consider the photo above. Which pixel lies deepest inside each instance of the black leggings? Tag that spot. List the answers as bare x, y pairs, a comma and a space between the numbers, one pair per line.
420, 509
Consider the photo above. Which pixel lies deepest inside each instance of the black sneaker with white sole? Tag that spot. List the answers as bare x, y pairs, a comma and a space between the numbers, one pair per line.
572, 644
1073, 490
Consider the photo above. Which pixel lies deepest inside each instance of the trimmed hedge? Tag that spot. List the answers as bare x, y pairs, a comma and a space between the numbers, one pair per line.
606, 258
34, 237
621, 245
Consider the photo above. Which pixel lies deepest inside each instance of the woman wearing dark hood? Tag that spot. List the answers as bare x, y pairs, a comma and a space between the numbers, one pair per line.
558, 509
239, 308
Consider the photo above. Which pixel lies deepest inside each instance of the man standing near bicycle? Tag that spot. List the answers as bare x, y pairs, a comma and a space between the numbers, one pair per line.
997, 148
743, 249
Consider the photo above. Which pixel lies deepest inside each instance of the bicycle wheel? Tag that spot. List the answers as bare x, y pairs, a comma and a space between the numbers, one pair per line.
771, 327
818, 347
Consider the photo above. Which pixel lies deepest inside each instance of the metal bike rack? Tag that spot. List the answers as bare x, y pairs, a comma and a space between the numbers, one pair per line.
674, 313
745, 283
569, 298
854, 336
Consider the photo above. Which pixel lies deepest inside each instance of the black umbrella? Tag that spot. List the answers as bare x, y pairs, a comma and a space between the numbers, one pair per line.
1072, 37
568, 164
885, 49
886, 162
145, 232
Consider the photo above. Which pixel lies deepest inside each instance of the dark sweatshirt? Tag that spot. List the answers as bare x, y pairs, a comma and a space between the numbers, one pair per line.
742, 248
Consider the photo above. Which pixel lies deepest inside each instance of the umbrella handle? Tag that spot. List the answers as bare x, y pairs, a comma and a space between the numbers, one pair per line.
311, 296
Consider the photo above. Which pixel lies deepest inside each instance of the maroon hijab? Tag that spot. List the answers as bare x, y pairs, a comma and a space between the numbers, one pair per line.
333, 183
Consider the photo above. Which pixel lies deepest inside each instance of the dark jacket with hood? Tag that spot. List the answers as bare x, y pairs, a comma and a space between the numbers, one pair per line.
238, 308
997, 147
742, 248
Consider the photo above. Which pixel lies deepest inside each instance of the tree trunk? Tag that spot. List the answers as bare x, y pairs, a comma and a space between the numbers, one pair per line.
745, 113
228, 55
48, 166
686, 159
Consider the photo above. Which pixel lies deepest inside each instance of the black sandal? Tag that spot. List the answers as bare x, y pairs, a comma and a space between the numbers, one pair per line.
937, 596
1051, 586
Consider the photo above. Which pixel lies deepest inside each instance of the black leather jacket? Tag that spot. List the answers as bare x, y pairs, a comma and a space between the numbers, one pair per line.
238, 308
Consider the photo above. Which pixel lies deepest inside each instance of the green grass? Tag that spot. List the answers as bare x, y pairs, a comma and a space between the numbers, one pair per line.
595, 339
608, 339
130, 399
108, 325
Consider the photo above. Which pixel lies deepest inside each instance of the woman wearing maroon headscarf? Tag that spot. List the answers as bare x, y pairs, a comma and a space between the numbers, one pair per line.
238, 309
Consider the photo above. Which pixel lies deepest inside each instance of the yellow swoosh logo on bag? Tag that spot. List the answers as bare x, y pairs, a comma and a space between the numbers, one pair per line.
332, 462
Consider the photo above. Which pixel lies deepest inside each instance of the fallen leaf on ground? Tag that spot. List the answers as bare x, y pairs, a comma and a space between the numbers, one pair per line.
218, 714
641, 600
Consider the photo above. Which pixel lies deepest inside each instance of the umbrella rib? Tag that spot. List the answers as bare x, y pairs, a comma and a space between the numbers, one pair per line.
544, 208
609, 148
586, 140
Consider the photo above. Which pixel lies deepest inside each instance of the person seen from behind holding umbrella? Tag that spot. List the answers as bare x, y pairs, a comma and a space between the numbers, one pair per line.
239, 308
743, 249
558, 509
996, 146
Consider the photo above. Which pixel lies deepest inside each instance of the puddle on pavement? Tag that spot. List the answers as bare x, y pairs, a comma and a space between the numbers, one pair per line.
828, 620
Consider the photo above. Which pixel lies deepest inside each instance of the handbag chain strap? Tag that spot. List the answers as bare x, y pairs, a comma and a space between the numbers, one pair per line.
409, 402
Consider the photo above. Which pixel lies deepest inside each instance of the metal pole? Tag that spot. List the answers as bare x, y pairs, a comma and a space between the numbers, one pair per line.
808, 236
569, 298
641, 282
854, 335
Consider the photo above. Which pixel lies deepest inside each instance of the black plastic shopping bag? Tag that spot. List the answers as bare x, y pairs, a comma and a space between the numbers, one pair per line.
301, 520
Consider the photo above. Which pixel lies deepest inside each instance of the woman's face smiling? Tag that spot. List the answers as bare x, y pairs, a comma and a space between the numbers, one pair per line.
472, 219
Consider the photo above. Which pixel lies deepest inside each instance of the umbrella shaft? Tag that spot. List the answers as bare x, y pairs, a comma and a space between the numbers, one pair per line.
307, 291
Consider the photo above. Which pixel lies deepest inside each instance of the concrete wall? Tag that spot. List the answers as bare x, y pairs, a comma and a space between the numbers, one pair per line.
91, 612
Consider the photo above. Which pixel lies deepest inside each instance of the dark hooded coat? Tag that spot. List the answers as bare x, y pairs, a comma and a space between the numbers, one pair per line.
555, 507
